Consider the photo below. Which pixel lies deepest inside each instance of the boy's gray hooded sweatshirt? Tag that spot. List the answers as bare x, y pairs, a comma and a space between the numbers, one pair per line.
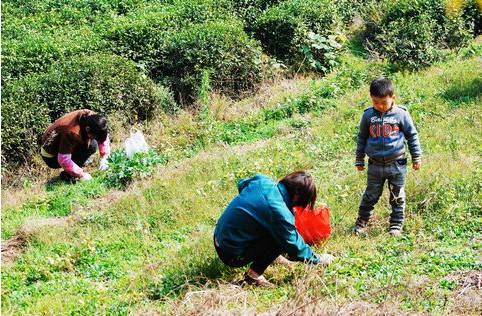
382, 135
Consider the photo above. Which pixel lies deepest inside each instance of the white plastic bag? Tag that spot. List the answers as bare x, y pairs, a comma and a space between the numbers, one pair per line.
136, 143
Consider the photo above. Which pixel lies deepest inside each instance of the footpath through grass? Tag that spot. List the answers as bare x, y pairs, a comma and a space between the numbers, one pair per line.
152, 250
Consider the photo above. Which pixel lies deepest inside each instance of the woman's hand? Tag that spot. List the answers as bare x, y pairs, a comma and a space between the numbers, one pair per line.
325, 259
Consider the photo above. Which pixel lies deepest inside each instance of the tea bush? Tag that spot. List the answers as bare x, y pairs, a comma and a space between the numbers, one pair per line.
250, 10
34, 52
175, 43
22, 125
73, 7
221, 47
348, 10
141, 34
415, 34
104, 83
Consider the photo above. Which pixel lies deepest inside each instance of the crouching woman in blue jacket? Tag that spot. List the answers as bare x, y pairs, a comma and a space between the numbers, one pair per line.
259, 225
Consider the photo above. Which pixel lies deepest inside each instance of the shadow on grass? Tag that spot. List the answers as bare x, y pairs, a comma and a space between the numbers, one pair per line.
463, 92
54, 183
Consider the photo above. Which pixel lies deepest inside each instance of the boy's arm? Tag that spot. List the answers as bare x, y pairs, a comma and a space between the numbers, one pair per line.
411, 135
361, 142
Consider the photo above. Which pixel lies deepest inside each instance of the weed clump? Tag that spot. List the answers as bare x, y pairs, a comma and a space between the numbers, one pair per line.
123, 170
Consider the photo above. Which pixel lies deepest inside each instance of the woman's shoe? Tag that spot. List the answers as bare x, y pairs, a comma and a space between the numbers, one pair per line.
259, 281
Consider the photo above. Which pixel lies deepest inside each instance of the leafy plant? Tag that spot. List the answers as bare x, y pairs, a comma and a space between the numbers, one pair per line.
123, 170
320, 52
283, 28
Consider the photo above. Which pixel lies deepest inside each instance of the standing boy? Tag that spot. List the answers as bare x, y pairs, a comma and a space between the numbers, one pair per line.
383, 131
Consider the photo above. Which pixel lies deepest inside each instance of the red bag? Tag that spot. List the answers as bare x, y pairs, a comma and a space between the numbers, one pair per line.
313, 225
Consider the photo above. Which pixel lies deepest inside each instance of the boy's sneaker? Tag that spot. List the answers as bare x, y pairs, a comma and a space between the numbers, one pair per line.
395, 229
360, 226
259, 281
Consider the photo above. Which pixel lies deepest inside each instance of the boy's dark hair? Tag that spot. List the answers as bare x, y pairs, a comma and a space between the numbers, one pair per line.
97, 126
300, 184
382, 87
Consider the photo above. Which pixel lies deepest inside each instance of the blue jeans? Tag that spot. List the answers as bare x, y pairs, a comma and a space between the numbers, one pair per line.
394, 173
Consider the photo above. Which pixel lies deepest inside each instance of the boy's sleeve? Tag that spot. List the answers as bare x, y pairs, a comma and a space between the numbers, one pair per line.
283, 230
361, 141
411, 135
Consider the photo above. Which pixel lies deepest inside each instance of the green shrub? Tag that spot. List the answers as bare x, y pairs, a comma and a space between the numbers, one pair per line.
221, 47
41, 7
319, 52
104, 83
175, 43
283, 29
37, 33
348, 10
414, 34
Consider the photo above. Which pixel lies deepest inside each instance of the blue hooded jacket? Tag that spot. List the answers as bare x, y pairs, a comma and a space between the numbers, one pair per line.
261, 209
383, 135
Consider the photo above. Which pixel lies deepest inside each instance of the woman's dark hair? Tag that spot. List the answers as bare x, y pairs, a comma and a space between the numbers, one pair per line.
300, 184
97, 126
382, 87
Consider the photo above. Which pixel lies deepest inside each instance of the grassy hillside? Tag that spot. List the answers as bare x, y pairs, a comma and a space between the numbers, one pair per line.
149, 250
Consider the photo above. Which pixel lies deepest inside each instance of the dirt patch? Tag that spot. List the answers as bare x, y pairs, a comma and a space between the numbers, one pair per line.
467, 297
229, 299
14, 246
